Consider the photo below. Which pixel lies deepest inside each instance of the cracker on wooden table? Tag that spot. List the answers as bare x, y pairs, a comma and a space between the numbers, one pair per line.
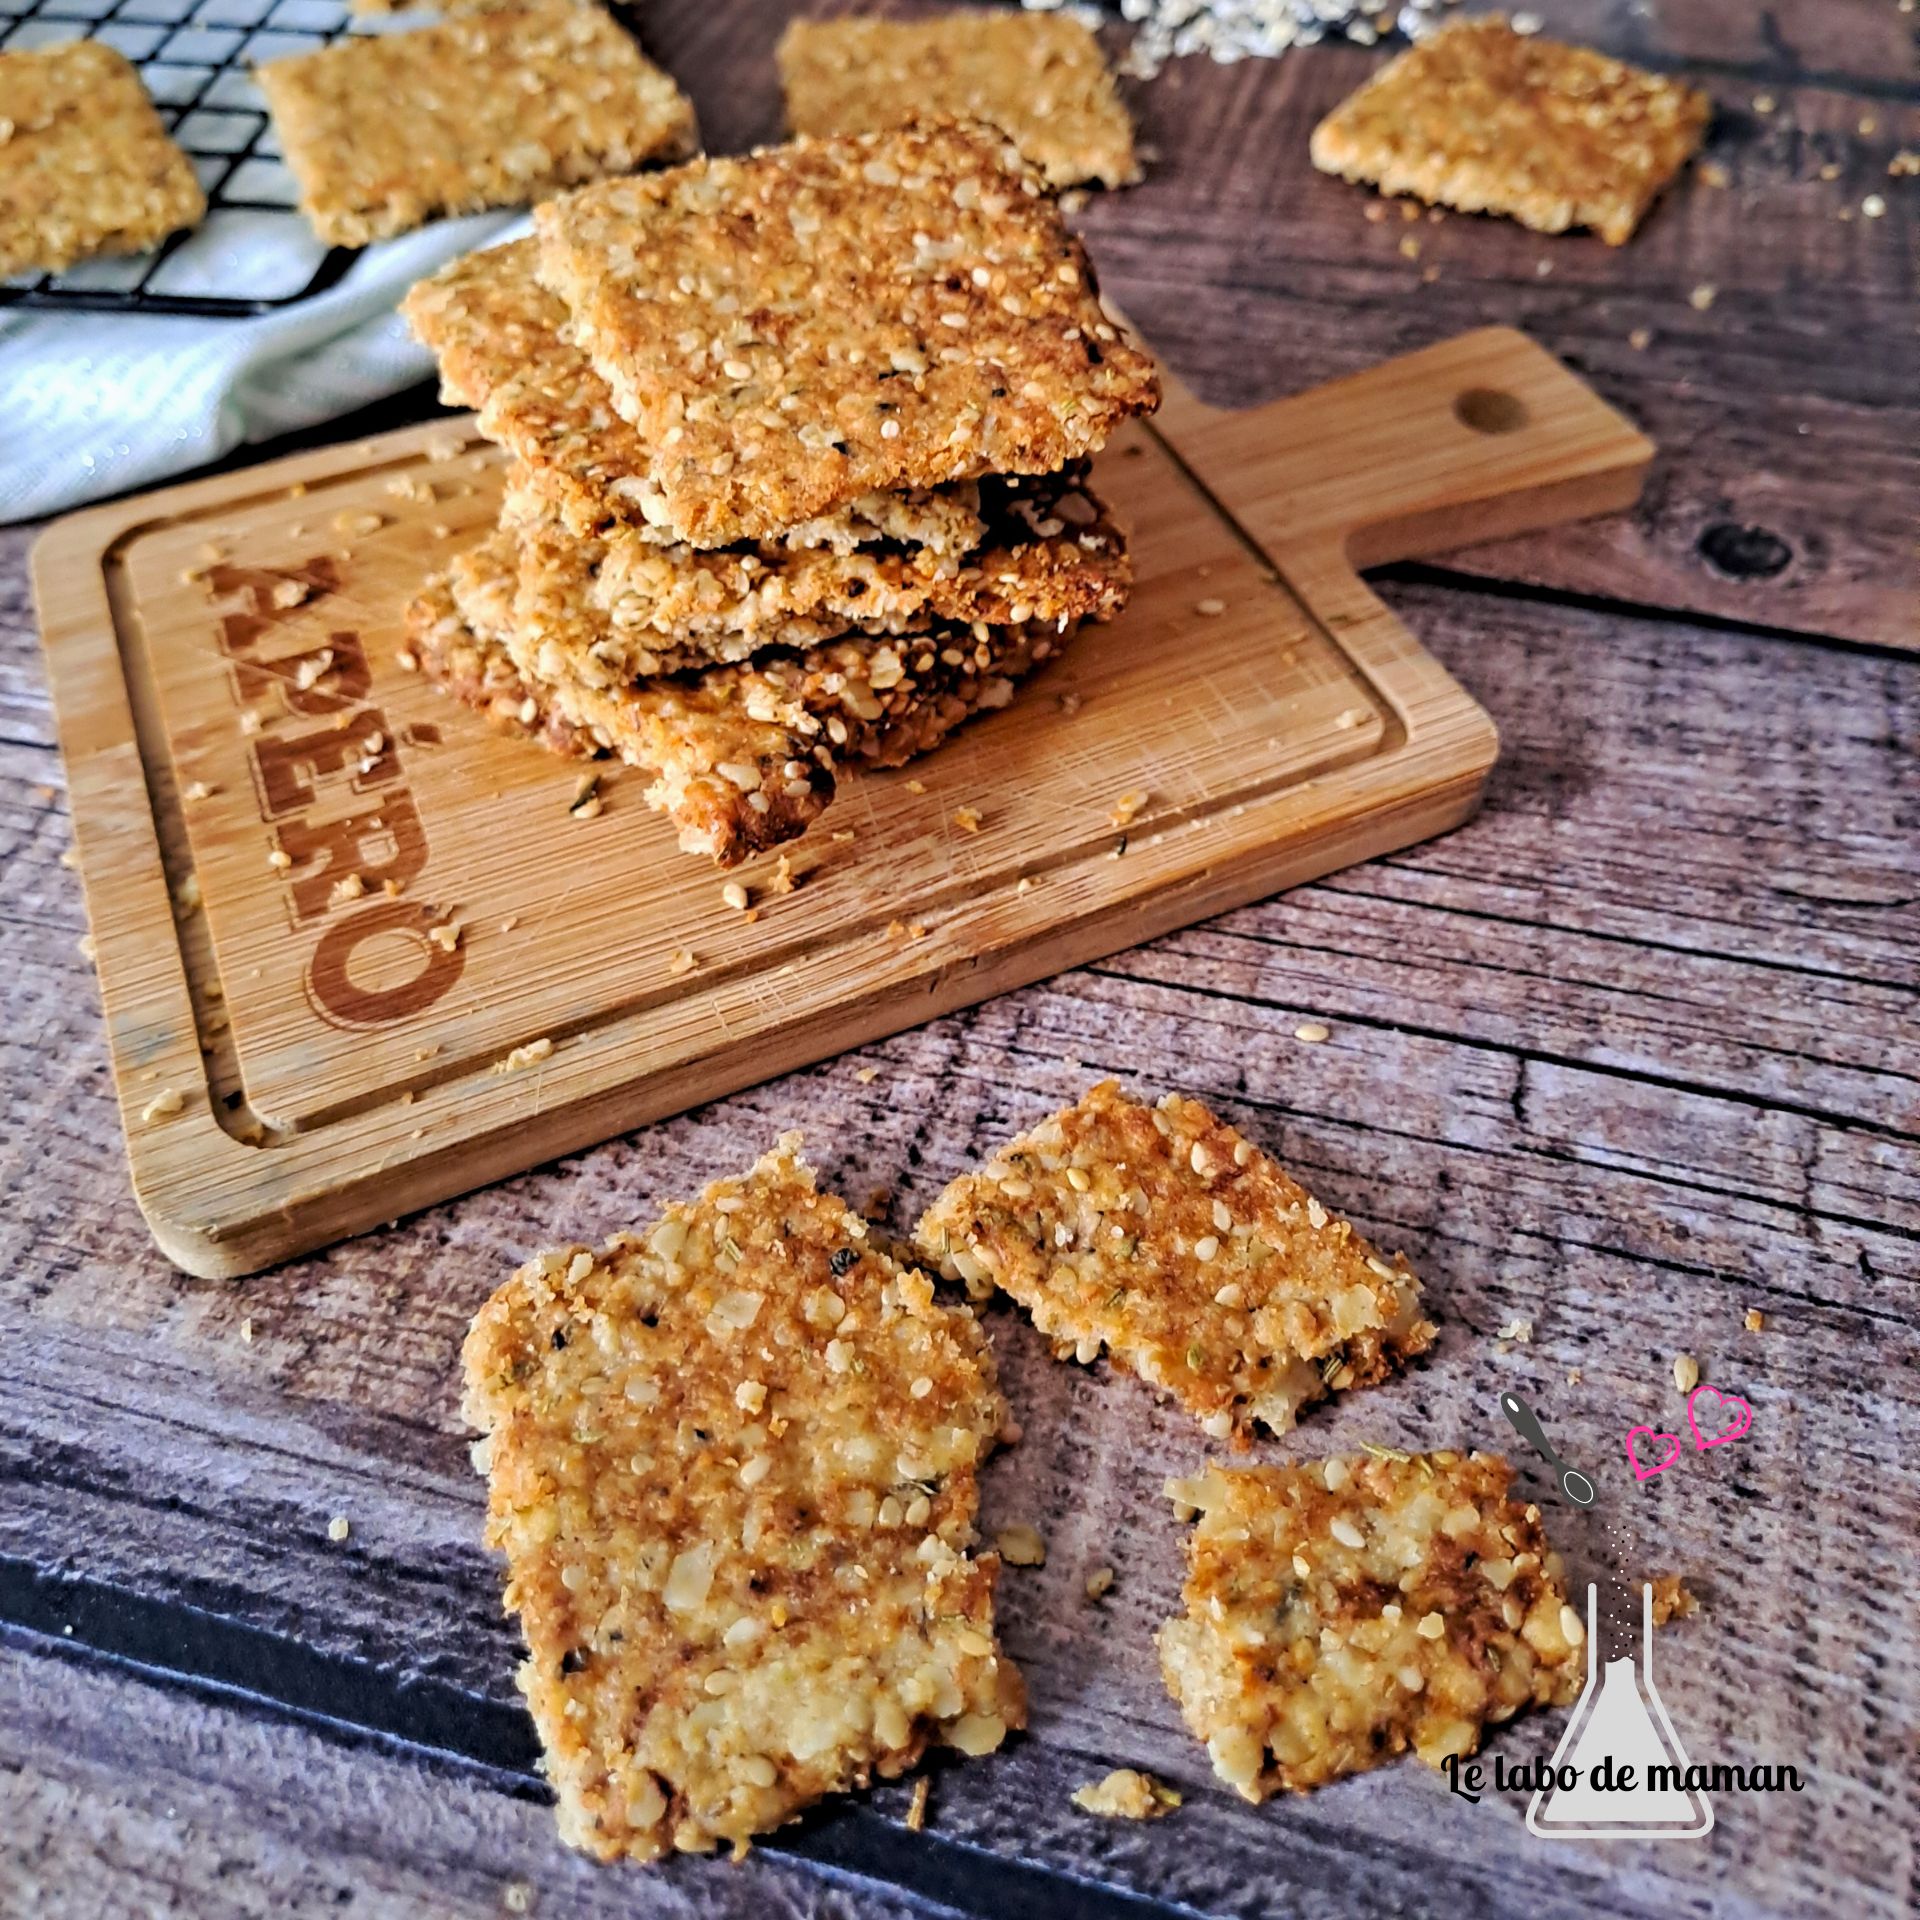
1341, 1611
731, 1462
1040, 78
1487, 120
489, 109
743, 756
618, 608
1161, 1235
496, 332
815, 321
86, 164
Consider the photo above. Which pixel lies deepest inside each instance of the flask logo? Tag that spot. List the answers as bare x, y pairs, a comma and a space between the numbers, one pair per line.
1625, 1769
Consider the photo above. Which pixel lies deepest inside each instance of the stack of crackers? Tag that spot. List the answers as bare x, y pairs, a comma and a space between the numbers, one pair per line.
798, 466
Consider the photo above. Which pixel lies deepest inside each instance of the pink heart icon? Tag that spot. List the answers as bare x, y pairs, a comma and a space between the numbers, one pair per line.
1734, 1411
1652, 1433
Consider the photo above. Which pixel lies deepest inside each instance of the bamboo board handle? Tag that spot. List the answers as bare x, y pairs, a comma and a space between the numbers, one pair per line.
1478, 438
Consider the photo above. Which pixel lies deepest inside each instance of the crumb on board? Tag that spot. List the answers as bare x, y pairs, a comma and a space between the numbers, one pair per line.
967, 819
1338, 1612
735, 896
917, 1806
1099, 1583
681, 960
1127, 808
522, 1057
1312, 1032
1127, 1794
1521, 1330
164, 1104
1686, 1372
339, 1527
1754, 1320
732, 1462
1673, 1599
1163, 1236
1702, 297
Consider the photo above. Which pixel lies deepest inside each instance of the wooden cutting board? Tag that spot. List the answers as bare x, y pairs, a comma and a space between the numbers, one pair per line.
295, 1065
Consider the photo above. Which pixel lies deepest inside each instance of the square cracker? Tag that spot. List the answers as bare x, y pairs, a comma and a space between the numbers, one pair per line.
488, 109
731, 1462
1341, 1611
496, 332
1039, 78
86, 164
812, 322
1487, 120
1162, 1235
743, 756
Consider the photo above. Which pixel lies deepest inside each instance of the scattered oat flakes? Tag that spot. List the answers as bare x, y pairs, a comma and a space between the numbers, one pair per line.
1312, 1032
1686, 1372
527, 1056
1021, 1545
1126, 1794
164, 1104
338, 1527
1755, 1320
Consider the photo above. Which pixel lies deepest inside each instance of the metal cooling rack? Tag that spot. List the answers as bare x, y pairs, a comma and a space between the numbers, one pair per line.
254, 250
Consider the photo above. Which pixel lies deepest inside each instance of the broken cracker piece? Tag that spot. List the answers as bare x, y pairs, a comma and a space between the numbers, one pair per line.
486, 109
1162, 1235
86, 164
732, 1465
1487, 120
1341, 1611
1040, 78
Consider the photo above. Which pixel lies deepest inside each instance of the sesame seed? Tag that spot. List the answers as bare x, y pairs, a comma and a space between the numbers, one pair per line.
1572, 1628
1686, 1372
338, 1527
734, 895
1311, 1031
1347, 1533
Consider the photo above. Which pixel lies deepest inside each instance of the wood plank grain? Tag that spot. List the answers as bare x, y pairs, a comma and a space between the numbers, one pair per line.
1568, 1072
121, 1796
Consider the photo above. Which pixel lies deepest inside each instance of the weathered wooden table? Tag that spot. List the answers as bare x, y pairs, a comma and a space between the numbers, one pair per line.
1631, 1054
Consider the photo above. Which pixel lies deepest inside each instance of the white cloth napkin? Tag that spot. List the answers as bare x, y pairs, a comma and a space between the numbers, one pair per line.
96, 403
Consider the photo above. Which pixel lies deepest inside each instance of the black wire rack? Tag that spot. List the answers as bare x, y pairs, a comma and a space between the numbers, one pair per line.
254, 251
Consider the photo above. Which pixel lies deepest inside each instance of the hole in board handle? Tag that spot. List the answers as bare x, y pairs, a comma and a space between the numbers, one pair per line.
1487, 410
